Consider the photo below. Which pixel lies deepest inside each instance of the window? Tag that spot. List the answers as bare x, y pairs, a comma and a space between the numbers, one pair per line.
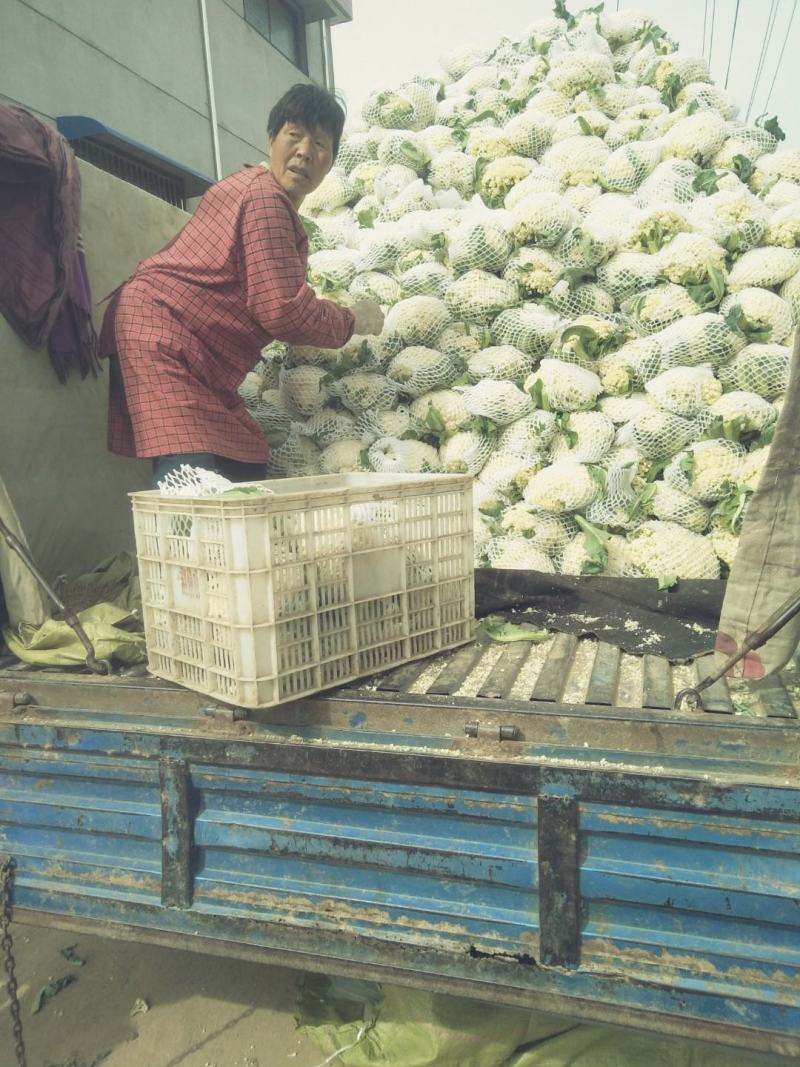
279, 22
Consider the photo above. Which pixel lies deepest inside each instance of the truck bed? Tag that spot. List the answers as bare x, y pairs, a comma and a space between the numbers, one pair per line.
528, 825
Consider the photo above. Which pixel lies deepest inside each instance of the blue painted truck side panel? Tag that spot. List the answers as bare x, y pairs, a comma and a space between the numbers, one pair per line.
420, 858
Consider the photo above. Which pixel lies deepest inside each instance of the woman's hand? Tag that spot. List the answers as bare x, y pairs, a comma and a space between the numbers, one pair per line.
368, 315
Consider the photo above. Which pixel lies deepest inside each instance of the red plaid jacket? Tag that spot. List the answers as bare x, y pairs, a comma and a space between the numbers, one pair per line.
191, 322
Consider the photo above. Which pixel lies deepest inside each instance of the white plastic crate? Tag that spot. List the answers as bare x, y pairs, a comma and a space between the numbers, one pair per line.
268, 597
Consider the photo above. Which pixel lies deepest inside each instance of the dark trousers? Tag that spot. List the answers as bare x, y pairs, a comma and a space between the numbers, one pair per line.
233, 469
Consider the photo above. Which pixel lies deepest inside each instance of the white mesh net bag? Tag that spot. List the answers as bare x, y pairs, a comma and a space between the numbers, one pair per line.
465, 452
298, 355
588, 299
759, 368
784, 226
530, 328
418, 369
251, 389
355, 148
671, 505
589, 123
342, 457
405, 147
272, 416
622, 409
189, 481
500, 175
534, 270
577, 160
333, 269
564, 386
657, 434
628, 273
477, 296
460, 342
691, 259
411, 106
335, 190
478, 245
488, 143
582, 198
529, 133
458, 61
587, 338
565, 486
696, 137
666, 550
370, 425
685, 391
616, 373
655, 226
442, 411
329, 426
452, 170
363, 391
761, 315
704, 338
550, 102
654, 309
305, 390
783, 163
541, 180
296, 457
628, 166
390, 455
708, 97
418, 196
501, 401
706, 471
382, 248
504, 473
764, 268
375, 285
529, 435
362, 177
417, 320
439, 138
735, 219
425, 279
616, 507
573, 71
747, 412
586, 245
500, 363
623, 131
541, 219
671, 181
392, 180
585, 436
517, 553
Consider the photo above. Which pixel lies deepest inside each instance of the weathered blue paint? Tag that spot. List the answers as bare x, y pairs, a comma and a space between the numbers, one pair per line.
425, 861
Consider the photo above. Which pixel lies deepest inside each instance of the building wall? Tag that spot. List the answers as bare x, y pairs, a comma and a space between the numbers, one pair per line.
69, 492
139, 68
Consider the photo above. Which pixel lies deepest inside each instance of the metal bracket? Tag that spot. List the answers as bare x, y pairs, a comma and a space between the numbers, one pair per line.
494, 732
224, 714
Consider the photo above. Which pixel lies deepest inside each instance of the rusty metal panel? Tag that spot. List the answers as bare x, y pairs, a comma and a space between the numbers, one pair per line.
559, 891
176, 834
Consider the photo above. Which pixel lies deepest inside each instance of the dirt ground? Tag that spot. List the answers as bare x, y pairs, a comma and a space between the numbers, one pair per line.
202, 1011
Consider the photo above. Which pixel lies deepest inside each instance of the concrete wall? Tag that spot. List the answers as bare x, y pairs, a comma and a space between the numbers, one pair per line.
139, 68
69, 492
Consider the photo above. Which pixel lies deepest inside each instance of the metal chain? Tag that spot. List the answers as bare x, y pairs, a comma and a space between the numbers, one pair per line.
7, 947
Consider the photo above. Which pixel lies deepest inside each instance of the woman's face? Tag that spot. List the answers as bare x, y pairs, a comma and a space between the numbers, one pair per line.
300, 158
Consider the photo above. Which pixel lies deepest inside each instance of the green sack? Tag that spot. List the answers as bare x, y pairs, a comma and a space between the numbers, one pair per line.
362, 1024
111, 619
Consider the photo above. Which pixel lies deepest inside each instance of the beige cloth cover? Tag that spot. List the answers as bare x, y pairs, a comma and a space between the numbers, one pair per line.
766, 569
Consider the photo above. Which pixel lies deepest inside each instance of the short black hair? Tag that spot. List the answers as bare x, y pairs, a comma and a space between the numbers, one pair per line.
311, 107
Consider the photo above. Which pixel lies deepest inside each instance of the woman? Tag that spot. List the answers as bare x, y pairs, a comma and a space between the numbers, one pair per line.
192, 320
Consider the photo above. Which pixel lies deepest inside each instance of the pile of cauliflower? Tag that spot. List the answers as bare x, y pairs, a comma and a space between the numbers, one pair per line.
590, 271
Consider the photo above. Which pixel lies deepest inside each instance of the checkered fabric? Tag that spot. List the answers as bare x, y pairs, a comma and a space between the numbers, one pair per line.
191, 322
